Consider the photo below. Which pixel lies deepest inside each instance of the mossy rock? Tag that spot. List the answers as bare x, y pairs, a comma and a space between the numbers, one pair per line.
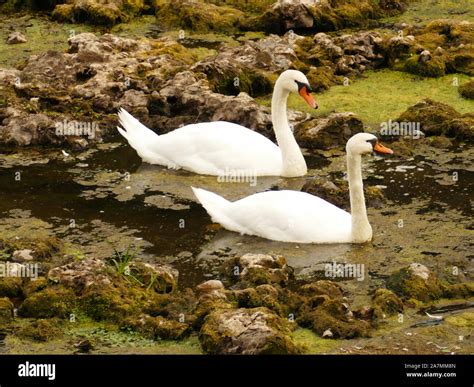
435, 67
210, 304
6, 311
196, 15
263, 295
246, 331
244, 80
160, 278
174, 306
42, 247
11, 287
41, 330
54, 301
462, 128
462, 290
333, 314
322, 78
107, 303
98, 12
337, 192
423, 287
322, 287
34, 286
433, 116
386, 303
467, 90
158, 328
461, 62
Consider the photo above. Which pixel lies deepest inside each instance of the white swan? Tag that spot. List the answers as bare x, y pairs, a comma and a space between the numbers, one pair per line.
292, 216
224, 148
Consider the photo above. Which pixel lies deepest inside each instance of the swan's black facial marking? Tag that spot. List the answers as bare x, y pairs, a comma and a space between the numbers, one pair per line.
301, 85
372, 141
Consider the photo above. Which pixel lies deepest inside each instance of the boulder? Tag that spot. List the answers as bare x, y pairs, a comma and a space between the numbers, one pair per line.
247, 332
259, 269
328, 132
415, 281
467, 90
79, 276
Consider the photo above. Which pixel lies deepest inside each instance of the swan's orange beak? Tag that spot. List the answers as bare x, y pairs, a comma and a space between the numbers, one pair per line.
379, 148
304, 92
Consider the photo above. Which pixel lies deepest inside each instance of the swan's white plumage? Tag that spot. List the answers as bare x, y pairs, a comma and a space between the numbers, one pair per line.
223, 148
211, 148
293, 216
287, 216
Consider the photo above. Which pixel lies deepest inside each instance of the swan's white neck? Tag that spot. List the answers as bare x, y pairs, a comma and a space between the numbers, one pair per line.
292, 158
361, 229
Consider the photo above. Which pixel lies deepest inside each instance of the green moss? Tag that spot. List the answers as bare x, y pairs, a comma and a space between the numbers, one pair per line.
311, 343
11, 287
158, 328
37, 285
6, 311
435, 67
322, 78
42, 247
467, 90
433, 116
462, 128
408, 285
462, 290
461, 320
41, 330
107, 303
196, 15
54, 301
174, 306
332, 314
322, 287
263, 295
386, 303
234, 82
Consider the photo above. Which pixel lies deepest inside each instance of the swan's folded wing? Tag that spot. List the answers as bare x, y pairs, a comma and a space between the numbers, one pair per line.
292, 216
217, 147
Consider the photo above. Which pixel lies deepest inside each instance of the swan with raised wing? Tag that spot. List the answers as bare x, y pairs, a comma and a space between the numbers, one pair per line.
293, 216
224, 148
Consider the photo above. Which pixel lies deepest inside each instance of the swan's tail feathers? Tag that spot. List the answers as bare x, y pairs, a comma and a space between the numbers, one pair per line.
140, 138
122, 132
214, 204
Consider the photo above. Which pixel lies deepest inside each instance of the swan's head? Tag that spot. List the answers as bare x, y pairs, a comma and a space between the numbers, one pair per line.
362, 143
295, 81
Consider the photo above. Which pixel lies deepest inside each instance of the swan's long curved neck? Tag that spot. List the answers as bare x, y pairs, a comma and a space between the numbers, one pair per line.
292, 158
361, 229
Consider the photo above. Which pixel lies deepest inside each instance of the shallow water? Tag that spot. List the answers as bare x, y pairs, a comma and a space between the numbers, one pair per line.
106, 198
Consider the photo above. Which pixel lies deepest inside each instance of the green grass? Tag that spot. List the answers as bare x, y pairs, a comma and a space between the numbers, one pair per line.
41, 33
423, 11
383, 95
312, 343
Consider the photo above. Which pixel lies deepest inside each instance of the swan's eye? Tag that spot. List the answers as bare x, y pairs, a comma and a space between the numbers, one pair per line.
372, 141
